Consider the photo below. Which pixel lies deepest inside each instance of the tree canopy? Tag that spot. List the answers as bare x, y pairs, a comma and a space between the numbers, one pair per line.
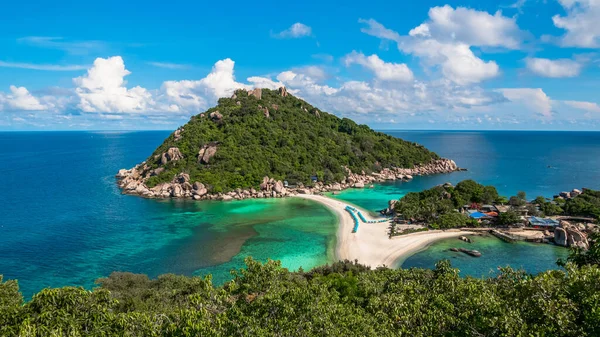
344, 299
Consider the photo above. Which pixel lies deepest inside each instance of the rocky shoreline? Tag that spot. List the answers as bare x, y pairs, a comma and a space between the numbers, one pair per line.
132, 182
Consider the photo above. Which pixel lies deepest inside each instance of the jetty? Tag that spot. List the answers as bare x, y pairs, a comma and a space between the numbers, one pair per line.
503, 236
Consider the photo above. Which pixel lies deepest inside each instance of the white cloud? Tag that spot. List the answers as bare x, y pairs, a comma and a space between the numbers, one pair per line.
20, 99
167, 65
534, 98
383, 70
582, 105
103, 89
471, 27
451, 52
581, 23
456, 60
47, 67
297, 30
195, 95
554, 68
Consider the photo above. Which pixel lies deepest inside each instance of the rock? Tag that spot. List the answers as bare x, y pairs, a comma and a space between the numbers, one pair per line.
336, 187
575, 238
177, 191
266, 112
207, 152
575, 192
304, 191
216, 116
226, 198
359, 185
182, 178
157, 171
283, 92
560, 236
177, 134
172, 154
275, 107
122, 173
256, 93
265, 184
316, 113
565, 195
408, 177
278, 187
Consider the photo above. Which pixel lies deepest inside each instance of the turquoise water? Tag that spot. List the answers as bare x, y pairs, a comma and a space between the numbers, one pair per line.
65, 222
533, 258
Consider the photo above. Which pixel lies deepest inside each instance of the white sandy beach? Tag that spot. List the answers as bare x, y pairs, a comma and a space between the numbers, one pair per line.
371, 245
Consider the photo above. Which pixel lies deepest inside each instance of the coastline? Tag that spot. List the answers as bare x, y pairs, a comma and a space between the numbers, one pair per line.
370, 245
133, 182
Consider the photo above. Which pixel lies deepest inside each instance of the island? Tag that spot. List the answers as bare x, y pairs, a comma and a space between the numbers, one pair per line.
265, 143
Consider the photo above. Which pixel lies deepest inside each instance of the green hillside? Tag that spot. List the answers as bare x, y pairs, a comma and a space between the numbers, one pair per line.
278, 135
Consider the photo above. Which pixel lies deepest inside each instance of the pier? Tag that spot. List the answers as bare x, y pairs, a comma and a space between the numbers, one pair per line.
503, 236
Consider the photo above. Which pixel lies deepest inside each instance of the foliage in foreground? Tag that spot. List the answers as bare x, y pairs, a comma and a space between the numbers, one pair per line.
295, 142
345, 299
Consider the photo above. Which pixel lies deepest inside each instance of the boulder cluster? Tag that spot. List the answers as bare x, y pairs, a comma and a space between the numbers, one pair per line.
133, 181
573, 235
568, 195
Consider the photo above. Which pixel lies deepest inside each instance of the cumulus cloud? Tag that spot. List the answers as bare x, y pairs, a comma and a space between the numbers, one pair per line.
471, 27
190, 94
534, 98
20, 99
581, 23
297, 30
103, 89
554, 68
383, 70
445, 40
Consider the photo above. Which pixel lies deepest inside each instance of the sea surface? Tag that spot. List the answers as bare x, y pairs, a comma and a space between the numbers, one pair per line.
65, 222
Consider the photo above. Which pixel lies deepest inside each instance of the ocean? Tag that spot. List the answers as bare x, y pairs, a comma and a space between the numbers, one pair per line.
65, 222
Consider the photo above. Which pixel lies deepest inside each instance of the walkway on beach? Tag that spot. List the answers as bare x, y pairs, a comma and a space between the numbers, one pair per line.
370, 244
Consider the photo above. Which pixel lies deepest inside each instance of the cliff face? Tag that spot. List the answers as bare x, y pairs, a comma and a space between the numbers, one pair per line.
259, 143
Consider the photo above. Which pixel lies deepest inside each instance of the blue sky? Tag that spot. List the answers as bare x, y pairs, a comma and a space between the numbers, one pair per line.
528, 64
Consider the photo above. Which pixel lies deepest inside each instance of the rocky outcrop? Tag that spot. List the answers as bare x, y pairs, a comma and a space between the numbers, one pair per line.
283, 92
172, 154
177, 134
133, 181
560, 237
216, 116
568, 235
256, 93
391, 209
207, 152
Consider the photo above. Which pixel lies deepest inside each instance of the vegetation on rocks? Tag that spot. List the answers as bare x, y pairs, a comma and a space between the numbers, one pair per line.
438, 205
344, 299
271, 133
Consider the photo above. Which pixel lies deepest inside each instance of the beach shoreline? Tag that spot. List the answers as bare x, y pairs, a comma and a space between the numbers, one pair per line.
371, 245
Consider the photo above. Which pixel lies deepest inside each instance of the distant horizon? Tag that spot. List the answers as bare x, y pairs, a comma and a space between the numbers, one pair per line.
379, 130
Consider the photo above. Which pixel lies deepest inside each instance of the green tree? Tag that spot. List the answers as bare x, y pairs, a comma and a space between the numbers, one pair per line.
508, 218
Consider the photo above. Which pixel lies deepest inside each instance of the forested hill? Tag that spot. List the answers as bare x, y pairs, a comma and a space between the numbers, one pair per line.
272, 133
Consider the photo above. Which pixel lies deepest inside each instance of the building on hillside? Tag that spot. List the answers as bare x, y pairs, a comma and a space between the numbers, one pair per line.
545, 223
